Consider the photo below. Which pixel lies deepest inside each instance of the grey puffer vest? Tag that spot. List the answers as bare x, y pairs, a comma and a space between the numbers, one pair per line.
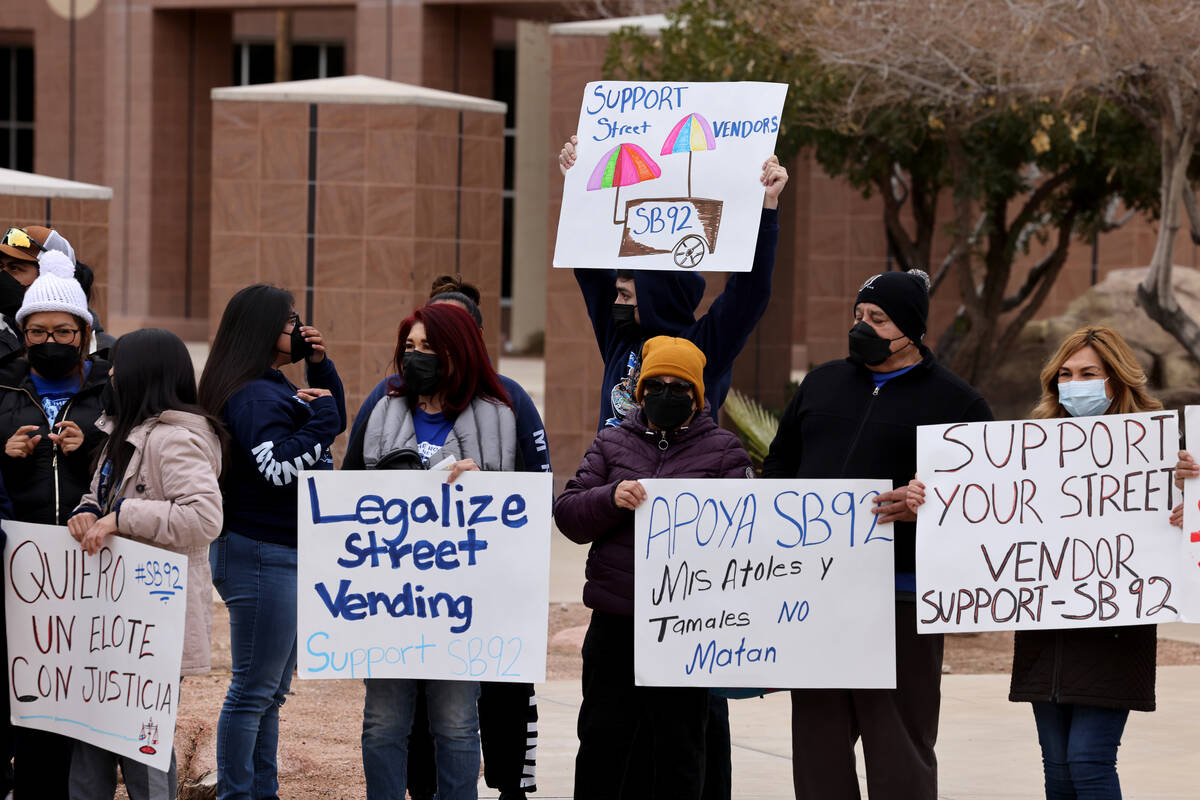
485, 431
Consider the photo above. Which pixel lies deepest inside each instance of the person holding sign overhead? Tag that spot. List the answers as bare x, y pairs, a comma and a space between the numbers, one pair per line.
1083, 682
446, 407
156, 482
277, 431
670, 435
49, 404
857, 418
629, 307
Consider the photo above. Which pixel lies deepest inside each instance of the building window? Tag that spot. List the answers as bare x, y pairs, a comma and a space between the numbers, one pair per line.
504, 89
16, 108
254, 61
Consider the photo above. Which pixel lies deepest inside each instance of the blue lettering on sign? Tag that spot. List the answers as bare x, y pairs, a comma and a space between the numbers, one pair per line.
474, 662
424, 554
653, 219
797, 612
709, 656
744, 129
448, 508
635, 98
361, 661
613, 128
812, 526
689, 515
408, 602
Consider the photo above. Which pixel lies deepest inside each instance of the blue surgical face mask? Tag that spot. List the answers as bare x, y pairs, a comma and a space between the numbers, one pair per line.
1084, 398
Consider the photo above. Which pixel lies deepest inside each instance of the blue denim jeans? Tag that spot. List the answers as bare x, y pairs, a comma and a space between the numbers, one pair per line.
257, 581
1079, 750
453, 720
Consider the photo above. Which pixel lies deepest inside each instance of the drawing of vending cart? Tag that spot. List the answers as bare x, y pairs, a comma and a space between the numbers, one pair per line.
685, 227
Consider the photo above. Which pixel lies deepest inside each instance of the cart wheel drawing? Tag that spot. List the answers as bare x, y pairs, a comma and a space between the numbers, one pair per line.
689, 252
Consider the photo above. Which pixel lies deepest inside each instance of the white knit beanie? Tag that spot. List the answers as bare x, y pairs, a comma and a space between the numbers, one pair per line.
55, 289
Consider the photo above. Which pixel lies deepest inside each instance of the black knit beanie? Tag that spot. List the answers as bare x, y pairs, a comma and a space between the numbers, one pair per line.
903, 296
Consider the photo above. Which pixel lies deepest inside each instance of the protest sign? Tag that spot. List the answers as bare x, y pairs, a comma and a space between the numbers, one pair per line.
1052, 523
95, 642
763, 583
1191, 512
667, 175
402, 575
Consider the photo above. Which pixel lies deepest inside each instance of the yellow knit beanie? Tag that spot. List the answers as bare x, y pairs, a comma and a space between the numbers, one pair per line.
679, 358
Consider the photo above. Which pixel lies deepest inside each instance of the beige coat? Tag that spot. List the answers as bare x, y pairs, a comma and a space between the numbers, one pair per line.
171, 499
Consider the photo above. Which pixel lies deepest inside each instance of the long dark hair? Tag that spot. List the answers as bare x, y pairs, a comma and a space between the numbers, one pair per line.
152, 373
244, 347
466, 371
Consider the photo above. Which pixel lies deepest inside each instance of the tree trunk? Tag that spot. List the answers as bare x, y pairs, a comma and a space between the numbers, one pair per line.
1155, 293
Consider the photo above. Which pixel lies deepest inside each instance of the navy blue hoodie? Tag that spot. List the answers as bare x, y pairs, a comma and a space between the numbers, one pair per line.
531, 433
275, 435
667, 301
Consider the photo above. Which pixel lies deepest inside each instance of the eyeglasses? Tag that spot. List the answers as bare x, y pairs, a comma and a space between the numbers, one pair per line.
19, 237
678, 388
60, 335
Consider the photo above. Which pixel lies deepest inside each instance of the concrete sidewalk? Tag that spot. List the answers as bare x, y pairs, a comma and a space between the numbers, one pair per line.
987, 747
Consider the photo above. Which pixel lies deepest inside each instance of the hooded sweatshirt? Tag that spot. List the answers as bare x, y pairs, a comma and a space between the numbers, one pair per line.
666, 302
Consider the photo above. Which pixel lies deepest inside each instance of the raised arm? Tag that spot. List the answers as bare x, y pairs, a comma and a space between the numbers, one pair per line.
723, 331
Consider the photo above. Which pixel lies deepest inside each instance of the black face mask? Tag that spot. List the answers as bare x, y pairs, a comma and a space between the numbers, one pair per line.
667, 411
53, 360
301, 348
12, 292
868, 347
422, 372
108, 399
622, 316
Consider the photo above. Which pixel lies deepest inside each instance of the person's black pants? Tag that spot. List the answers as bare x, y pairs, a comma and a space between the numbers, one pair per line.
898, 727
615, 714
508, 736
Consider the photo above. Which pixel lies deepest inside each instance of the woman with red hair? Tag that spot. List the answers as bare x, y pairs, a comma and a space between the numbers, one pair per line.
446, 404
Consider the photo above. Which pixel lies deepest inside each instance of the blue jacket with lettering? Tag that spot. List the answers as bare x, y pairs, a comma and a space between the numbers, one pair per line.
667, 303
585, 511
274, 436
531, 433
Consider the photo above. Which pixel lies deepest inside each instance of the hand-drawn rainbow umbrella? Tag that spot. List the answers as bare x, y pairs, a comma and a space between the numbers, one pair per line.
624, 165
692, 134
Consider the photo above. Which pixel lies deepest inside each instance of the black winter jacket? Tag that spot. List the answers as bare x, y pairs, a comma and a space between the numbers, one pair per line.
46, 486
839, 425
1105, 667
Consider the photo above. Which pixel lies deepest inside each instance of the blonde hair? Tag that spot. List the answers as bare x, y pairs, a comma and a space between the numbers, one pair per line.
1125, 375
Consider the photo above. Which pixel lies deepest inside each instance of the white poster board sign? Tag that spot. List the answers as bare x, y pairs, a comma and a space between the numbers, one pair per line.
402, 575
1191, 511
667, 175
763, 583
1054, 523
95, 642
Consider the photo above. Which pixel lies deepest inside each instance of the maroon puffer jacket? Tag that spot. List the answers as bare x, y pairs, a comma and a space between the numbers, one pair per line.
585, 512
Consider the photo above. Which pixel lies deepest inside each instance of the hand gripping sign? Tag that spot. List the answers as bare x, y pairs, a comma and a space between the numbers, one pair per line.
685, 160
1051, 523
95, 642
763, 583
402, 575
